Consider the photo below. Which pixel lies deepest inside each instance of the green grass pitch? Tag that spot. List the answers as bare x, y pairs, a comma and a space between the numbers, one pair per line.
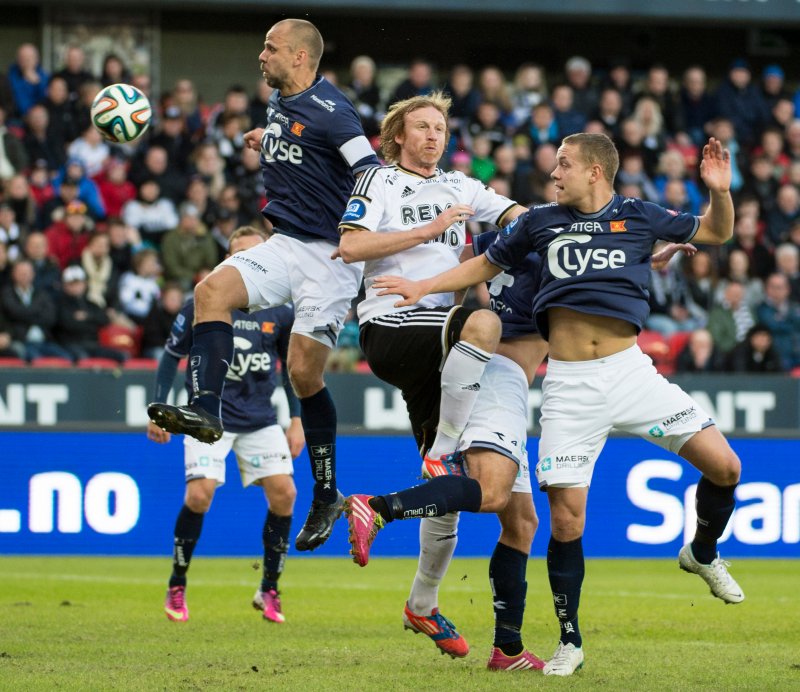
98, 624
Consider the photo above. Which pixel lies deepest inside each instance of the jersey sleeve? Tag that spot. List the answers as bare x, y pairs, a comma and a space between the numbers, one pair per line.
179, 342
367, 202
488, 205
481, 242
347, 135
512, 245
667, 224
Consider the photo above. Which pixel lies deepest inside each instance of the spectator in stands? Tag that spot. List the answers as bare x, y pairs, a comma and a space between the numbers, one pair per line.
249, 187
647, 112
700, 354
363, 91
487, 125
528, 90
139, 288
221, 230
657, 87
631, 141
187, 249
40, 188
730, 319
761, 183
28, 79
83, 106
210, 166
150, 213
482, 161
578, 74
619, 77
6, 341
419, 82
671, 306
541, 127
741, 102
781, 316
787, 262
259, 103
66, 239
610, 111
13, 157
672, 166
737, 268
47, 274
230, 200
631, 172
793, 137
53, 208
5, 267
745, 237
74, 72
18, 196
6, 97
229, 139
114, 71
87, 189
62, 115
756, 354
31, 315
235, 103
102, 278
569, 119
157, 325
125, 242
773, 85
676, 197
79, 320
701, 279
771, 145
722, 129
171, 136
153, 164
494, 89
539, 180
785, 213
197, 193
10, 232
40, 142
91, 150
115, 188
184, 95
782, 113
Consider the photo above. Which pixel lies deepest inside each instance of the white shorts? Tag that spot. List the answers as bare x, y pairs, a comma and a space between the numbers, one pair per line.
259, 454
583, 401
286, 270
499, 419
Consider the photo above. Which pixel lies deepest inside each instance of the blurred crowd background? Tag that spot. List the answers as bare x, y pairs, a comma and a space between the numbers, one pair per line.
100, 244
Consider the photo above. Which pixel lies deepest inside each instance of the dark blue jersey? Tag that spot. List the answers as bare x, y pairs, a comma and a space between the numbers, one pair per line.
511, 293
260, 339
593, 263
312, 147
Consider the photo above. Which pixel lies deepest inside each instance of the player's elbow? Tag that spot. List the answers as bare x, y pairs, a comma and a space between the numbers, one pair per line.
349, 249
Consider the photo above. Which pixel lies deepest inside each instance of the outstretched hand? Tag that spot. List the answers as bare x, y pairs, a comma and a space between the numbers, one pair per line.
156, 434
252, 139
660, 259
411, 291
715, 168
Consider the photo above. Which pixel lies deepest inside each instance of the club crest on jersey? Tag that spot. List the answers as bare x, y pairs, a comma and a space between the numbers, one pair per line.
617, 226
355, 210
268, 327
297, 129
565, 258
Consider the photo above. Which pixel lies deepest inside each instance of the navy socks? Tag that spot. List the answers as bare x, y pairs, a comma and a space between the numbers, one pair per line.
187, 531
434, 498
507, 577
319, 424
714, 505
565, 568
209, 359
276, 545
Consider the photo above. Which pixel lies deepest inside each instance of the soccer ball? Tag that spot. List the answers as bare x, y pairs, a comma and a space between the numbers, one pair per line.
121, 113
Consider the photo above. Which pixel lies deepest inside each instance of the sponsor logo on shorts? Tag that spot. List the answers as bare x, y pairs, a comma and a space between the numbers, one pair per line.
306, 311
678, 419
656, 431
250, 263
356, 209
571, 461
545, 464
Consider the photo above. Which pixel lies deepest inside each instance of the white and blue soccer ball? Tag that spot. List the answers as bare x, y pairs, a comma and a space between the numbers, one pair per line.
121, 113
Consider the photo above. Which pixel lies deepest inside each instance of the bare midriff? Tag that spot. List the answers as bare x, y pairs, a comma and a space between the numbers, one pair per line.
580, 336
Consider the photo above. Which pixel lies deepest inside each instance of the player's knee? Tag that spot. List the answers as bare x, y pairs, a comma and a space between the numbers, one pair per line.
216, 292
482, 329
305, 377
519, 528
198, 500
728, 471
494, 498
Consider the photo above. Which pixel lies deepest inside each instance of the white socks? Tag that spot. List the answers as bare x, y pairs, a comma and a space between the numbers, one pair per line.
461, 376
438, 537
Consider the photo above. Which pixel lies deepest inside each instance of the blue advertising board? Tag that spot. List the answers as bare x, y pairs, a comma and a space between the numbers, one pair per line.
119, 494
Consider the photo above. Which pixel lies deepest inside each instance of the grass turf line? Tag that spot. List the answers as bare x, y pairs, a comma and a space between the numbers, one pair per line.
98, 624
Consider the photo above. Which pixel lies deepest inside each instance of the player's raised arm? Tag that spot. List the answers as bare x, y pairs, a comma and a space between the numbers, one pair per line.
474, 271
716, 225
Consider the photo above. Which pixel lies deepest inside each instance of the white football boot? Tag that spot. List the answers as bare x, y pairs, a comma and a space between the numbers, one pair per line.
716, 575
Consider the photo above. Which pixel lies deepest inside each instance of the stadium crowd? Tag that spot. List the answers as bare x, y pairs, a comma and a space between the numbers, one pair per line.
100, 243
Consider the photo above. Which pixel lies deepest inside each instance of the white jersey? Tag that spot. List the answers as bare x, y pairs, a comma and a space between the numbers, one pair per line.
391, 199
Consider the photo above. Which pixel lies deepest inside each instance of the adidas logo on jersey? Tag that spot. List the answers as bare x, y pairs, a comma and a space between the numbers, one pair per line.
406, 192
472, 387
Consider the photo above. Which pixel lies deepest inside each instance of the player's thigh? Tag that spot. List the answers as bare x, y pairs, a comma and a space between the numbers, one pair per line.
322, 290
575, 425
203, 460
262, 453
711, 454
223, 289
264, 271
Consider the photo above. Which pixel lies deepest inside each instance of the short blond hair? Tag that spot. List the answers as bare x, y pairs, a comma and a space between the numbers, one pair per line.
597, 149
244, 232
394, 122
303, 34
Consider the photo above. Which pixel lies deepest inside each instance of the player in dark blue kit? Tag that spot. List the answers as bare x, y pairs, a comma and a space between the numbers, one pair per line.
592, 302
264, 453
311, 151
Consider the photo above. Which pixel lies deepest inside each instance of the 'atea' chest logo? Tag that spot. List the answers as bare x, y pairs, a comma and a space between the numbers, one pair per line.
565, 257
